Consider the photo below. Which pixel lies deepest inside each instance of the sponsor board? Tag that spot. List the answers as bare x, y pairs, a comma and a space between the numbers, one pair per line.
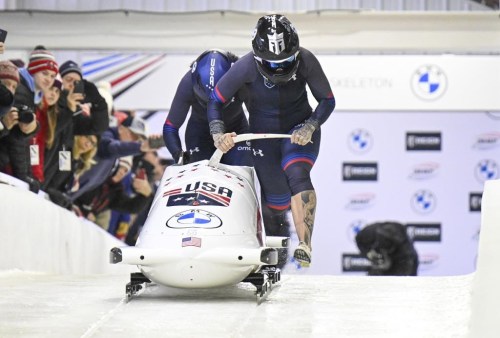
355, 263
424, 232
422, 141
359, 171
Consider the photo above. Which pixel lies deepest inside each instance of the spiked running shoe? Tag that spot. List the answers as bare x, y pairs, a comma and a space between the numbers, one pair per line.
303, 255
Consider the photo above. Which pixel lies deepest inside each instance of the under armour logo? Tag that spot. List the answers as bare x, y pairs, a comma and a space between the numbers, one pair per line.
195, 150
258, 152
276, 43
268, 83
294, 77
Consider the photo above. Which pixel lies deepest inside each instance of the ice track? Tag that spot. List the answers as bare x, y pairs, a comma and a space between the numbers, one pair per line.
37, 305
81, 295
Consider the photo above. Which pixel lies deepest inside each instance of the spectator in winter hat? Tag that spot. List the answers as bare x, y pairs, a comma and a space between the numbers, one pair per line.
40, 60
37, 77
9, 80
15, 148
89, 104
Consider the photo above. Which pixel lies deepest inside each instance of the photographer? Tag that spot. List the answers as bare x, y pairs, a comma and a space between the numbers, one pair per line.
90, 110
9, 80
389, 249
17, 126
16, 151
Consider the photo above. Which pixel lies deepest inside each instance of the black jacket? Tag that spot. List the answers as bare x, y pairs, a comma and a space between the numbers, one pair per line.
390, 241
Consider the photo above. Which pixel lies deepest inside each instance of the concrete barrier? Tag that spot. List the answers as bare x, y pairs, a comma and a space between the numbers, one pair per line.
37, 235
486, 284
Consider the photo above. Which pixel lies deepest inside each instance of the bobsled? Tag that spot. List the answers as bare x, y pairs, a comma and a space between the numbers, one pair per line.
204, 229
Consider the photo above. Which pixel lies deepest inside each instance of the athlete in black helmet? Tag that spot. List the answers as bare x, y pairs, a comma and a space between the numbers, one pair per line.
274, 77
192, 93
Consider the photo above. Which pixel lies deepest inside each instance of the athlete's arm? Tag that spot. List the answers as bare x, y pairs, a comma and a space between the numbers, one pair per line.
177, 115
320, 88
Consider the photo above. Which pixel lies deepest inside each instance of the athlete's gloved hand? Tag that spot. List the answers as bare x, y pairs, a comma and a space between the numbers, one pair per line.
303, 135
224, 142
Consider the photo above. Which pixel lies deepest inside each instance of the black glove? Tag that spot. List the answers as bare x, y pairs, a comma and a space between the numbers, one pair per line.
34, 184
60, 198
182, 157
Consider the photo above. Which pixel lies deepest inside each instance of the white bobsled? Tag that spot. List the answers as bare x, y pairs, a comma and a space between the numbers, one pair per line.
204, 228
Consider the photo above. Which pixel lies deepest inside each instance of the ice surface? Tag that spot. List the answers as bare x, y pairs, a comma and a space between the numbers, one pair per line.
41, 305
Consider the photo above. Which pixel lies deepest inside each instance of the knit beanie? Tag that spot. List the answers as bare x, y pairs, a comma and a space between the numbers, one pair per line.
9, 71
41, 59
70, 66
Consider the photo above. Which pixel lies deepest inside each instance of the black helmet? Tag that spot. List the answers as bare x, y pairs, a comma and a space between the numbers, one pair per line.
207, 70
275, 44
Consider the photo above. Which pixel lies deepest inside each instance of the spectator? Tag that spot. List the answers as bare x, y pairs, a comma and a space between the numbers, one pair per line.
47, 116
192, 93
90, 109
159, 168
129, 138
38, 76
112, 195
9, 80
389, 249
67, 181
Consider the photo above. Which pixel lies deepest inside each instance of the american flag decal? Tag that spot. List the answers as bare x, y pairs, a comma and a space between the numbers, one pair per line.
191, 241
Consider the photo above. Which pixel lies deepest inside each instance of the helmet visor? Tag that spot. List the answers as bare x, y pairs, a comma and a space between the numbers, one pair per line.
283, 64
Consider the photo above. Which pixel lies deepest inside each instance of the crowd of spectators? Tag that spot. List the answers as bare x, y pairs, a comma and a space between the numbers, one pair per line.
60, 134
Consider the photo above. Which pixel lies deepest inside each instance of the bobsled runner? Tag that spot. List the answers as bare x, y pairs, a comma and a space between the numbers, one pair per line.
204, 229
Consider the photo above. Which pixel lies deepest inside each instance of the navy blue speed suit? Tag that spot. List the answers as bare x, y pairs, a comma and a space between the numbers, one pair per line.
199, 142
283, 168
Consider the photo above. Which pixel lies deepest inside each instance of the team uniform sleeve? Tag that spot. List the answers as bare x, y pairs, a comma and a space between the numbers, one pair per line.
320, 88
226, 88
177, 116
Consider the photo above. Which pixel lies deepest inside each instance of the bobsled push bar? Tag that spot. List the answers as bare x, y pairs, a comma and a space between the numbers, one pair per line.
216, 157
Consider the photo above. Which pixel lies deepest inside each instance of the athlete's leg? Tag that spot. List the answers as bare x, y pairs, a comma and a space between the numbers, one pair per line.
297, 163
275, 193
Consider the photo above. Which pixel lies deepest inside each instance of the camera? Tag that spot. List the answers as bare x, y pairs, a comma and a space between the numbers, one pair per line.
25, 113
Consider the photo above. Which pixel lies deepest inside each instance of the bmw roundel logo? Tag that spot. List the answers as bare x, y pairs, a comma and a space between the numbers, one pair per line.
429, 82
486, 170
423, 202
360, 141
194, 218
